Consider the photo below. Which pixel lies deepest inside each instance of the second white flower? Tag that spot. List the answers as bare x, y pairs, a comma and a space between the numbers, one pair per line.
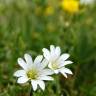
56, 61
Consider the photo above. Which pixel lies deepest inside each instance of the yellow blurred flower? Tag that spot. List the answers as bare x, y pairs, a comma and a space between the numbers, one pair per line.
38, 10
71, 6
49, 10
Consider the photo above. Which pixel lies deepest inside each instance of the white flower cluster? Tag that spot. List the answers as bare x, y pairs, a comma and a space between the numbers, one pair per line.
42, 68
86, 2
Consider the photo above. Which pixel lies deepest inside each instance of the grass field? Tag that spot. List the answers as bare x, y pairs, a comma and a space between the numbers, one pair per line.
28, 26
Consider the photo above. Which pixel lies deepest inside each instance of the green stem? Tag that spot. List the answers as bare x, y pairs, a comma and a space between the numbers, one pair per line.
31, 91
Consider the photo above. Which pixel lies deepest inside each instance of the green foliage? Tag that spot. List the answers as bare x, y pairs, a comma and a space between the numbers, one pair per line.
25, 28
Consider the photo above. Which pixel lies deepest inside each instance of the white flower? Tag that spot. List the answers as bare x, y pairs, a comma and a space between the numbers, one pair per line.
85, 2
33, 71
57, 62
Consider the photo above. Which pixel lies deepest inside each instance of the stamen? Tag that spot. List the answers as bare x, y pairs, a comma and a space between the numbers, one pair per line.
55, 66
32, 74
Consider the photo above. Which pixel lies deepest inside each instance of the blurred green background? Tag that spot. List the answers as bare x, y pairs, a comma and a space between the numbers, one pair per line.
27, 26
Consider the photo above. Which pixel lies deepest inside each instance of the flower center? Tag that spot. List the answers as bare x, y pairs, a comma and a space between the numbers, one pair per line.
32, 74
55, 66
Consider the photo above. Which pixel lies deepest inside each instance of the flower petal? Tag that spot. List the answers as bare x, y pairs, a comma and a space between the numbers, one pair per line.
64, 74
50, 65
45, 78
22, 79
41, 84
64, 63
20, 73
67, 62
58, 51
46, 53
44, 63
64, 56
28, 59
47, 72
56, 71
66, 70
52, 49
34, 85
22, 63
38, 59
